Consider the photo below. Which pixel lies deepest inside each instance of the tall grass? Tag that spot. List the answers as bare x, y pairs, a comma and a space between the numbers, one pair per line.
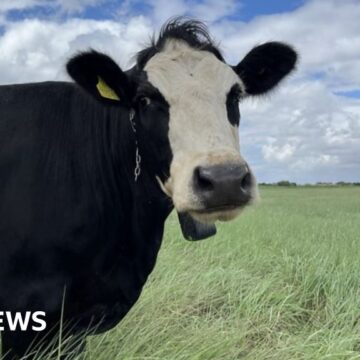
281, 282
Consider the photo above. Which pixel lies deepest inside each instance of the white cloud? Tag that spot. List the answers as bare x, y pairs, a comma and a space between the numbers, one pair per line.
278, 152
35, 50
212, 10
310, 162
164, 9
301, 128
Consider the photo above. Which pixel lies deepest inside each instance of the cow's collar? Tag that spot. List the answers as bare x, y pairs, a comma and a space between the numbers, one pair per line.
137, 169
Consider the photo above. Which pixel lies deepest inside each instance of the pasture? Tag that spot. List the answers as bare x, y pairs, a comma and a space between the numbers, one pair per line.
281, 282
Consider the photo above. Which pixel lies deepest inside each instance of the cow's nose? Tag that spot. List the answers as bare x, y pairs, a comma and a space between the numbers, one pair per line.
223, 185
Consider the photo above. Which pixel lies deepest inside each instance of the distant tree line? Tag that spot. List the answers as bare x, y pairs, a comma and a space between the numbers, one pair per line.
319, 183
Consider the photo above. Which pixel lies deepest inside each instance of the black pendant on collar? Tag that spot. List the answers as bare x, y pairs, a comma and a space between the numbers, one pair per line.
194, 230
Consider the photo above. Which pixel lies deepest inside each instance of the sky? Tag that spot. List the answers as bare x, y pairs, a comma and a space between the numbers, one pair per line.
307, 130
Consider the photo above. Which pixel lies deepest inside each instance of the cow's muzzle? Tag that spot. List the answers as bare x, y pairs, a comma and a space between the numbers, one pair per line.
222, 187
222, 190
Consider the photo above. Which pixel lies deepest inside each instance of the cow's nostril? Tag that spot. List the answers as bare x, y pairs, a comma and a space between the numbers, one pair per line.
203, 179
246, 182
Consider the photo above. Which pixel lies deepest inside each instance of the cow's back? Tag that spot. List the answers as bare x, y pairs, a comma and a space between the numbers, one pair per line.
48, 219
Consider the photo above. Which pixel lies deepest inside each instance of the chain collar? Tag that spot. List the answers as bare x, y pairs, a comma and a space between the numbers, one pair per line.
137, 169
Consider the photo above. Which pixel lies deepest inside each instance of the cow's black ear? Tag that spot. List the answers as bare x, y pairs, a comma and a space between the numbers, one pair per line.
99, 75
265, 65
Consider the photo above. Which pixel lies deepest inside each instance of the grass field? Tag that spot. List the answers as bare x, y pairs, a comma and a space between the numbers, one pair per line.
281, 282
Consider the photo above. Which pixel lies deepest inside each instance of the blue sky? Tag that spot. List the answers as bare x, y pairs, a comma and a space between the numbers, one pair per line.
250, 9
307, 130
246, 10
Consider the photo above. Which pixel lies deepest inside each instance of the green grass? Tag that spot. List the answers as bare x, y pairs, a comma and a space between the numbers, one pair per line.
280, 282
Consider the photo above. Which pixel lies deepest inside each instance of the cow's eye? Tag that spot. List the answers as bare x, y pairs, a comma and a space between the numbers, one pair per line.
144, 101
236, 97
232, 105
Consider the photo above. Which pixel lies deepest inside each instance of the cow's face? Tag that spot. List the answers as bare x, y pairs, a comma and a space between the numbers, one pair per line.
208, 176
186, 99
199, 94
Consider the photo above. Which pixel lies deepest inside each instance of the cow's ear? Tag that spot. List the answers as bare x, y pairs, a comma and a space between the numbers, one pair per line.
265, 66
99, 75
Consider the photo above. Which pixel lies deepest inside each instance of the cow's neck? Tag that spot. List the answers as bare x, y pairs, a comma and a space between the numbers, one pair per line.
137, 209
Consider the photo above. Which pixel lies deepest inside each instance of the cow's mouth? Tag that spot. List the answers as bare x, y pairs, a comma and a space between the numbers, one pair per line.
217, 209
213, 214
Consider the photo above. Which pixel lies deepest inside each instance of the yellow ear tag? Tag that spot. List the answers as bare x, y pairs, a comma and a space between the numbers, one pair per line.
106, 91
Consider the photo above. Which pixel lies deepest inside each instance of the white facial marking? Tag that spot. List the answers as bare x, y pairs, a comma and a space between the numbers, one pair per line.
195, 84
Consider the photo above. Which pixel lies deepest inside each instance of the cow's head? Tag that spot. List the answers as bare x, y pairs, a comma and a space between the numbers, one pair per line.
186, 99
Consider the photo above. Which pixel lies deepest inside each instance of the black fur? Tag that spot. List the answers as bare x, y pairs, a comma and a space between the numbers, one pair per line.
265, 65
232, 105
153, 126
193, 32
71, 215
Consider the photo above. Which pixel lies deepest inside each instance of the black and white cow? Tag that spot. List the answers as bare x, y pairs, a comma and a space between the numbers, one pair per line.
90, 171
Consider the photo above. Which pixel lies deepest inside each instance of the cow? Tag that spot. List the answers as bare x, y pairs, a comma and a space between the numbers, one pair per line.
91, 169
